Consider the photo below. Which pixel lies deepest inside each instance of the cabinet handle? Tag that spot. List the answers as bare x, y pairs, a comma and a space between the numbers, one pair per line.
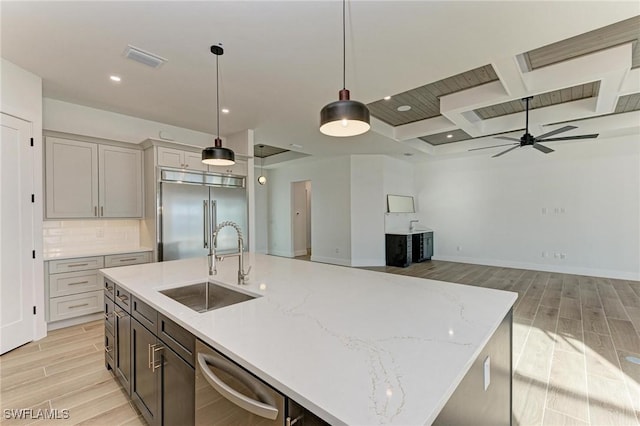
186, 166
128, 259
118, 314
95, 210
107, 314
123, 297
152, 356
149, 356
108, 349
101, 210
78, 306
79, 282
75, 265
109, 289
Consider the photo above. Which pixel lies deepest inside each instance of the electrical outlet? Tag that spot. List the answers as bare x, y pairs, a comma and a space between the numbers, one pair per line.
562, 211
563, 255
544, 210
544, 254
337, 250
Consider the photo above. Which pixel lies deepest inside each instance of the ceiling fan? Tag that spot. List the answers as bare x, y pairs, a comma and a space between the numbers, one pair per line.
529, 139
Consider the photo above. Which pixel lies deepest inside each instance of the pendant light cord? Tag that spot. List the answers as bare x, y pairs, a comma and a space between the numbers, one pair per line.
217, 98
344, 47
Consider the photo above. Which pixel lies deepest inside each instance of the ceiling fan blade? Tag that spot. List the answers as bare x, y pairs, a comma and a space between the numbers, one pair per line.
556, 131
507, 138
568, 138
542, 148
494, 146
504, 152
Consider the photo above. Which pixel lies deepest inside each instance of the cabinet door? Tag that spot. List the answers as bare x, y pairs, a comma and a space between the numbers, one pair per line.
398, 250
120, 182
178, 390
239, 168
193, 161
145, 382
170, 157
71, 183
428, 245
122, 355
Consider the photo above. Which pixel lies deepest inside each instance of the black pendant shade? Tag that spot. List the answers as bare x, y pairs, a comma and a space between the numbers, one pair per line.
217, 155
344, 117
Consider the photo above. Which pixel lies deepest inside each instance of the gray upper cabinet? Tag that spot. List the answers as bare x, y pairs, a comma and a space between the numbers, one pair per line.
120, 189
72, 178
179, 159
89, 180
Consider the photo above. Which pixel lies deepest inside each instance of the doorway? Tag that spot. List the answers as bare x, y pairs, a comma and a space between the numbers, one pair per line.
301, 219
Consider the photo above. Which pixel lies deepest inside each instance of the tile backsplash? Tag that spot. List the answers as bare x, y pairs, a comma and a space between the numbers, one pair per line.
90, 235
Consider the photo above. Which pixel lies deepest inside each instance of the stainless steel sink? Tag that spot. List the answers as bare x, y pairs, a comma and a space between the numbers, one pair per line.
203, 297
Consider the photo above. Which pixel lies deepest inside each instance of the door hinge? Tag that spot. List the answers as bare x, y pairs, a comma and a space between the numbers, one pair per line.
31, 141
33, 198
33, 254
34, 310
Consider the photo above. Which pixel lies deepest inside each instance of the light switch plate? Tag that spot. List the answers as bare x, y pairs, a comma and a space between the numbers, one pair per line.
487, 372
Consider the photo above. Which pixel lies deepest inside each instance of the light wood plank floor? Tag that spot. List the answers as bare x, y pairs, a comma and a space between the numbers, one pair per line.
64, 371
571, 337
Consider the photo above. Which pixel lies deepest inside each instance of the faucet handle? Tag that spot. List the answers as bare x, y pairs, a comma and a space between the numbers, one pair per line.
247, 273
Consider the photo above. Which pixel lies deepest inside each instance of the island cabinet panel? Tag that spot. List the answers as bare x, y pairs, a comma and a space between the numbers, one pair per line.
145, 380
162, 376
122, 356
484, 395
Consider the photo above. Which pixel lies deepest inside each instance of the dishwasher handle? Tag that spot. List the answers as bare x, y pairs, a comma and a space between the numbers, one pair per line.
251, 405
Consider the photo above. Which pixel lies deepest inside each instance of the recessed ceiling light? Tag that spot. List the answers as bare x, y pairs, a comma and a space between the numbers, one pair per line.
386, 98
225, 110
115, 78
449, 136
408, 154
403, 108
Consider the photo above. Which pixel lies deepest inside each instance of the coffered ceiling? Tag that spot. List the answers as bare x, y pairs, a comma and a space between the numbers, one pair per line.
450, 61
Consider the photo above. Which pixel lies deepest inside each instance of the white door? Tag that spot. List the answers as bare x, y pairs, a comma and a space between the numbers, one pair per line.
16, 234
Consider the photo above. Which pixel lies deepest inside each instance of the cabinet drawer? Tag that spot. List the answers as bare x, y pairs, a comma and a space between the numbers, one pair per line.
177, 338
109, 289
109, 348
73, 283
75, 305
77, 264
123, 298
109, 316
145, 314
125, 259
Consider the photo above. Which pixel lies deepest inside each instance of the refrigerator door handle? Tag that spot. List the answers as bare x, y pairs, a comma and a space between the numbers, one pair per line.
214, 217
205, 223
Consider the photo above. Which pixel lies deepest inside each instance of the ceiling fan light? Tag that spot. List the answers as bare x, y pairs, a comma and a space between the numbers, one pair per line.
344, 117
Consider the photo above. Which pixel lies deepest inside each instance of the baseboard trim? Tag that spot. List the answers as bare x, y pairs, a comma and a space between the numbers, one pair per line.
330, 260
592, 272
281, 253
74, 321
300, 252
359, 263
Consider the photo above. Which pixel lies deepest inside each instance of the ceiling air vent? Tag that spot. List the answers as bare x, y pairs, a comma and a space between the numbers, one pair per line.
145, 58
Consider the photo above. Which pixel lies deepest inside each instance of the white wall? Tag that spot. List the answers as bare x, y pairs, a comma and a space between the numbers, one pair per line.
299, 217
490, 210
399, 179
77, 119
21, 96
330, 208
261, 229
367, 210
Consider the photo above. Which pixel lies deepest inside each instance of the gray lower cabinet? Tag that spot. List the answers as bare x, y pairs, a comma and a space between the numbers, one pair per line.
153, 358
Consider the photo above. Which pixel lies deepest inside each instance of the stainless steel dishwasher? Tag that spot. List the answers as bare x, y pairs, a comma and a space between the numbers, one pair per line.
227, 394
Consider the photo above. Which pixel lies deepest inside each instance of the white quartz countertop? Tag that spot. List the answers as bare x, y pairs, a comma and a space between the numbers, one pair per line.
407, 232
70, 253
355, 347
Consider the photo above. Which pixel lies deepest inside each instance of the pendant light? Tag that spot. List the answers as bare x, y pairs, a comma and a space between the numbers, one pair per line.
344, 117
262, 179
217, 155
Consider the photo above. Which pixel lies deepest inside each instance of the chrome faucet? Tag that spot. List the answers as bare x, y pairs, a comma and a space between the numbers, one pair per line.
411, 227
213, 257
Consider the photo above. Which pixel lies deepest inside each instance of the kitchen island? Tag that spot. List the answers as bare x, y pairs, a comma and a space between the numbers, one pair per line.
352, 346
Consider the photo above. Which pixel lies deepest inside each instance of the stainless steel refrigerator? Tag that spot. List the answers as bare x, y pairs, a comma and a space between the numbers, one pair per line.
190, 205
